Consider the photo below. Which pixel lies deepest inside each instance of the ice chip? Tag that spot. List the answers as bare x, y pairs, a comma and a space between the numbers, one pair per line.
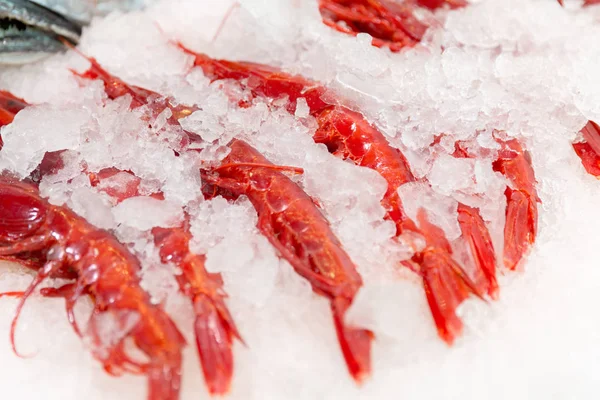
451, 174
26, 140
146, 212
302, 110
206, 125
92, 207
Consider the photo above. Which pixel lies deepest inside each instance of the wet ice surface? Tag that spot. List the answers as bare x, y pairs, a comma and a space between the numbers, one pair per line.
526, 67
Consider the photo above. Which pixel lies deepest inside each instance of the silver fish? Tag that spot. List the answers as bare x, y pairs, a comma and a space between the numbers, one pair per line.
29, 31
84, 10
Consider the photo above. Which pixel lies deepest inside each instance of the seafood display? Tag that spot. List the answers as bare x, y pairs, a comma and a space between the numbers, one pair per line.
309, 246
348, 135
313, 203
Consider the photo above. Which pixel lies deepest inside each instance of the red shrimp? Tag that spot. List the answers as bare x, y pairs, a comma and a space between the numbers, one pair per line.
67, 246
289, 219
589, 149
214, 326
390, 24
10, 105
115, 88
520, 229
348, 135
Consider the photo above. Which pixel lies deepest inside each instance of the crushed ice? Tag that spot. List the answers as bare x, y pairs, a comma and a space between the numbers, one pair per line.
528, 68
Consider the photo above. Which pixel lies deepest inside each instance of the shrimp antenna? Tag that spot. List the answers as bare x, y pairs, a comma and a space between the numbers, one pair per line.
40, 277
70, 46
224, 20
177, 43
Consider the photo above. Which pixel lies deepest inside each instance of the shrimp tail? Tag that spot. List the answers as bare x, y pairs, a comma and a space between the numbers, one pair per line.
589, 158
215, 330
355, 342
588, 150
154, 334
445, 288
445, 282
164, 369
214, 327
164, 381
521, 226
477, 235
